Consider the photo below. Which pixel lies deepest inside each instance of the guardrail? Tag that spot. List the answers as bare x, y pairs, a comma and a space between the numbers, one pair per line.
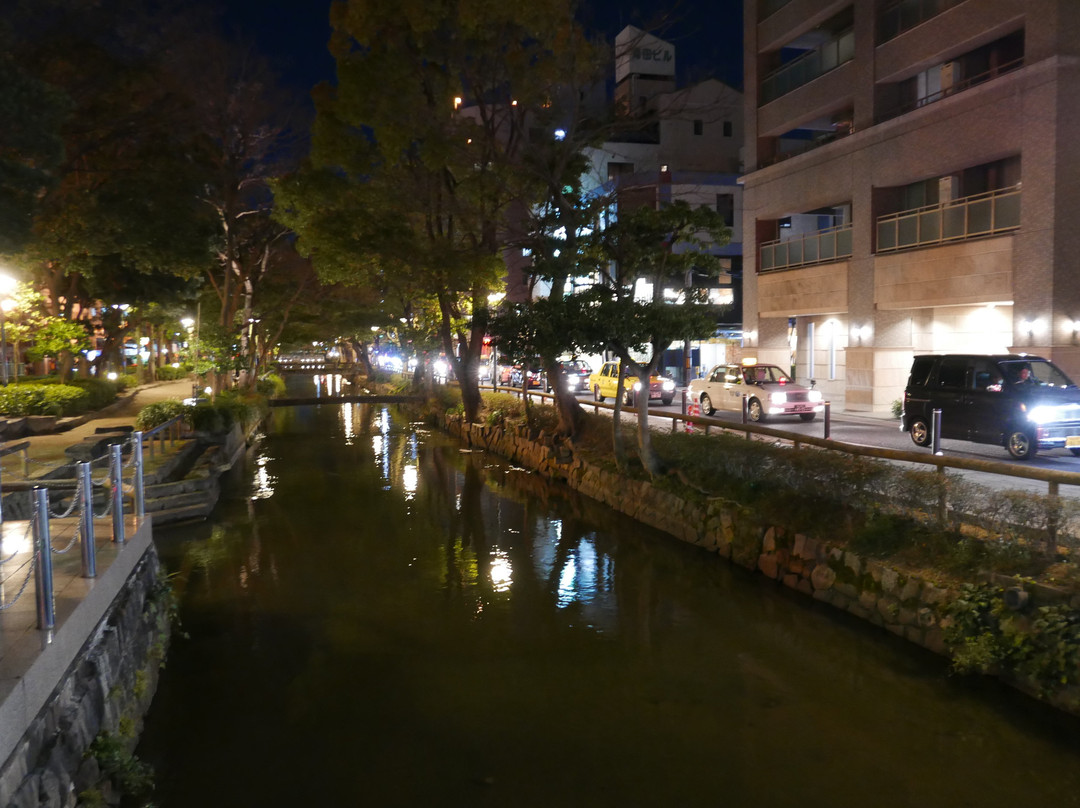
1054, 479
171, 430
37, 563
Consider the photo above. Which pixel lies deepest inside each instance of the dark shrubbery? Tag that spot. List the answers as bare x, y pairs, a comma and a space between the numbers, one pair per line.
158, 413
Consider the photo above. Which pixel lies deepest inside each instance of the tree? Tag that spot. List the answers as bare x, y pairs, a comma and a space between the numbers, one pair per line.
427, 127
663, 247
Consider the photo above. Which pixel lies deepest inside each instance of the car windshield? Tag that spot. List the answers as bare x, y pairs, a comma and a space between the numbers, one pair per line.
1037, 372
765, 374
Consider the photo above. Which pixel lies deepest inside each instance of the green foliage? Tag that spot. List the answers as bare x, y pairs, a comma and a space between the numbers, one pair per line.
169, 374
1041, 646
158, 413
43, 399
897, 408
130, 775
100, 392
270, 385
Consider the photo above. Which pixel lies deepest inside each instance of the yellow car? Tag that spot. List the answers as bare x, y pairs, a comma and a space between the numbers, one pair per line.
605, 382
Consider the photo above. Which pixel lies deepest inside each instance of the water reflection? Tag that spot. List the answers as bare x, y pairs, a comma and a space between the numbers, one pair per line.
405, 624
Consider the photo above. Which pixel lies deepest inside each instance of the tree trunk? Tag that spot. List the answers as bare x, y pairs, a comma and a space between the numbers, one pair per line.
566, 403
618, 448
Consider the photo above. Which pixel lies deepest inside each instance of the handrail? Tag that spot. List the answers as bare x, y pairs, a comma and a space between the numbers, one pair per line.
960, 86
809, 66
940, 462
982, 214
806, 249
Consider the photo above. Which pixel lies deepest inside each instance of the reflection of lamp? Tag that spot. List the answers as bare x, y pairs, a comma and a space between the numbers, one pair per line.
7, 286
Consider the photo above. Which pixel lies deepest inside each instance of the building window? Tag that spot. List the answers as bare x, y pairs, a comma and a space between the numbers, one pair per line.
728, 129
699, 127
725, 206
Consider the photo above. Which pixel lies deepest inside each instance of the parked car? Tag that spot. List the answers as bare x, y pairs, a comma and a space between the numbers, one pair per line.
535, 374
768, 391
604, 383
1024, 403
577, 373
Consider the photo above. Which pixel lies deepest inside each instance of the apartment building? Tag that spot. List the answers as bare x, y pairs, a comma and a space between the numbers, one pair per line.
911, 186
678, 144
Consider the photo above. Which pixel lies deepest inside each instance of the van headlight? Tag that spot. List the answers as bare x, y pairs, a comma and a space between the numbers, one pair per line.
778, 398
1045, 415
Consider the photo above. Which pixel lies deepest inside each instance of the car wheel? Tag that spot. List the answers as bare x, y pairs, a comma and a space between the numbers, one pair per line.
706, 405
665, 400
1020, 445
807, 416
1075, 452
596, 394
920, 432
754, 411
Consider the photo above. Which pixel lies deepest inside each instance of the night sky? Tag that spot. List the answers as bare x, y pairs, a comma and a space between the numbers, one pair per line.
707, 34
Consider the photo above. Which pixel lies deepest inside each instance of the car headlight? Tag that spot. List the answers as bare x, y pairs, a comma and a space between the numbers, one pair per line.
573, 381
814, 395
778, 398
669, 385
637, 387
1043, 415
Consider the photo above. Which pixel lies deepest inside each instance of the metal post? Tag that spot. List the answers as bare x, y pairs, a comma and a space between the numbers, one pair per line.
684, 401
116, 481
140, 501
828, 419
46, 613
1053, 517
86, 521
936, 438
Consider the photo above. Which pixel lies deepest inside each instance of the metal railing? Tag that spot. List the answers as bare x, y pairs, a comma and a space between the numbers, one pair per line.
819, 247
37, 563
937, 461
808, 67
959, 87
171, 430
983, 214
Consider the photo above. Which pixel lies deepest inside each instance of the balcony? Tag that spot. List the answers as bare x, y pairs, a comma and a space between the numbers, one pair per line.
808, 67
945, 92
906, 14
819, 247
975, 216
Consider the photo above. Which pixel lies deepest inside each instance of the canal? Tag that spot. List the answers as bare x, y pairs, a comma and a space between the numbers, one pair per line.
375, 617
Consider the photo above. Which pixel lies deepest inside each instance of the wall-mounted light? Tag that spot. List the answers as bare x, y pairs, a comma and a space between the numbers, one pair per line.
749, 336
861, 332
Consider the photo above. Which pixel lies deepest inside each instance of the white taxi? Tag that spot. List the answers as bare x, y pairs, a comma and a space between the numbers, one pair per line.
767, 389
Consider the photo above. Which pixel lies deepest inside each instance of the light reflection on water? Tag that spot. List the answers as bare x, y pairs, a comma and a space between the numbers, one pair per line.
403, 624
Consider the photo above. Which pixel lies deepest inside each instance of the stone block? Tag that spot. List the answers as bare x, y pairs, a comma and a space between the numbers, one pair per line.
910, 590
804, 586
926, 617
907, 617
934, 639
768, 566
868, 600
895, 629
889, 580
859, 611
791, 581
799, 545
847, 590
822, 577
768, 542
889, 608
853, 563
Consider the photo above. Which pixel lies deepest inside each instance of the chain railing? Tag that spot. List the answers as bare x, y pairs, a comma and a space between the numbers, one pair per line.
37, 564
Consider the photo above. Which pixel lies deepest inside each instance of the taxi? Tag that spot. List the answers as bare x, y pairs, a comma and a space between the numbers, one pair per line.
604, 383
768, 391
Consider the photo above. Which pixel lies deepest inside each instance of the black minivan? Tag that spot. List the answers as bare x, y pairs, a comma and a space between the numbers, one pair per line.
1022, 402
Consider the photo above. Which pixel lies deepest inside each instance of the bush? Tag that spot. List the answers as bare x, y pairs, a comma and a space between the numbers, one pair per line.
158, 413
170, 374
43, 399
270, 385
100, 392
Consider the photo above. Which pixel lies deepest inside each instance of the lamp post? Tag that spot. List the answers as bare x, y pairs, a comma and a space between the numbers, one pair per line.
7, 286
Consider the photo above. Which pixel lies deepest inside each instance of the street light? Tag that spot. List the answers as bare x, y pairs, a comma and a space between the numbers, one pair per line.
7, 286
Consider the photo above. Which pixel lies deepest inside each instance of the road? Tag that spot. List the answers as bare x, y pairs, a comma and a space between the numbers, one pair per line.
883, 431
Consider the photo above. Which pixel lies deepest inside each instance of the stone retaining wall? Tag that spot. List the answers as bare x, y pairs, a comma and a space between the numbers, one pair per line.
108, 688
905, 604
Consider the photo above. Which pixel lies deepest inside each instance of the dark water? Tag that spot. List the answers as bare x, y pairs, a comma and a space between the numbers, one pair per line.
379, 619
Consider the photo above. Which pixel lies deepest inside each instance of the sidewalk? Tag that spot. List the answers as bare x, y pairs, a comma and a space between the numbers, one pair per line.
50, 447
